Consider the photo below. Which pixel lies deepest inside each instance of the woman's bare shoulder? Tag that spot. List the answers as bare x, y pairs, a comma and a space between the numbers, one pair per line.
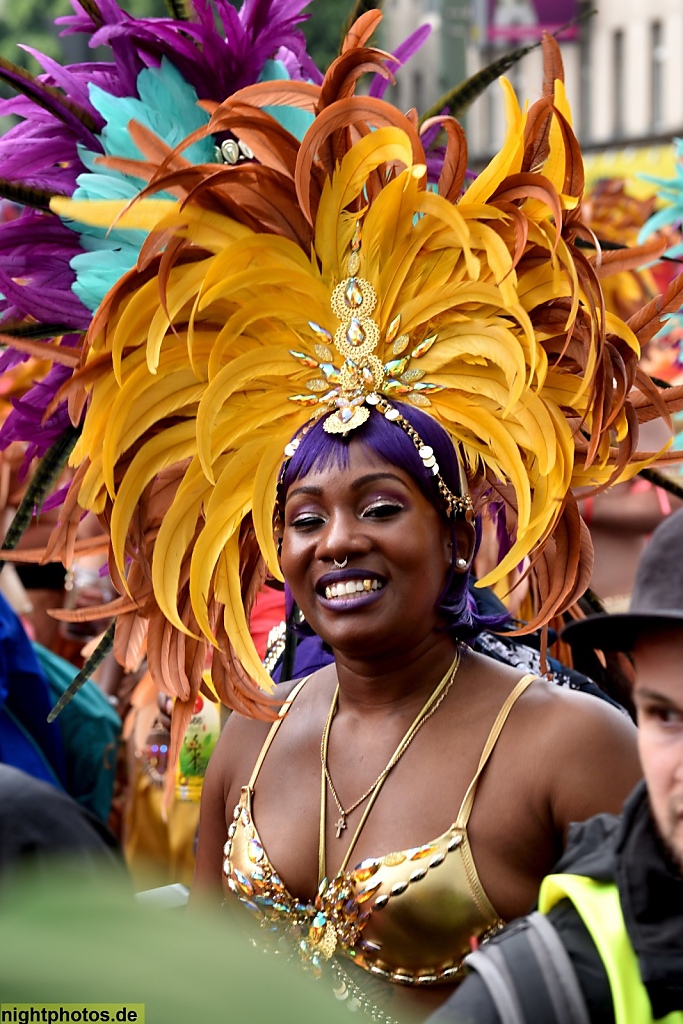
572, 754
587, 749
568, 709
242, 737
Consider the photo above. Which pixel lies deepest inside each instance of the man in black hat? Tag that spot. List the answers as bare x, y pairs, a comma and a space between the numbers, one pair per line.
607, 945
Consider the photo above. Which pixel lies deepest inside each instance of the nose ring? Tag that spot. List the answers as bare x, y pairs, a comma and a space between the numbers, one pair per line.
341, 565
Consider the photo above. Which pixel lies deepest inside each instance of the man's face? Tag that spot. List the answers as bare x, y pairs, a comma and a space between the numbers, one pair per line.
658, 696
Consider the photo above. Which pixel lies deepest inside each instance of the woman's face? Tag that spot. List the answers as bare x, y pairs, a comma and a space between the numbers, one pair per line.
397, 548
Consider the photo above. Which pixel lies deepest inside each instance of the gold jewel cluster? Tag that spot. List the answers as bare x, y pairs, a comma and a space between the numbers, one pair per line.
334, 920
363, 381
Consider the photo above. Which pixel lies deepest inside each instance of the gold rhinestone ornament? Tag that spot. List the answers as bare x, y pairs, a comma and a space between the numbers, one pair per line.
363, 381
356, 340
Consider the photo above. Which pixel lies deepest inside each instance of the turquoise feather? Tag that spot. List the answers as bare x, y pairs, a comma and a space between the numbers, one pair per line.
296, 121
167, 106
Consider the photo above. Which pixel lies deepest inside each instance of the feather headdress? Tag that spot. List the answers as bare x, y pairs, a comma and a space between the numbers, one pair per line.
53, 275
204, 361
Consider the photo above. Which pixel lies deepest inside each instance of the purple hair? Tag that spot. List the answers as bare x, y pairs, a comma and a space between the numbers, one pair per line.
317, 449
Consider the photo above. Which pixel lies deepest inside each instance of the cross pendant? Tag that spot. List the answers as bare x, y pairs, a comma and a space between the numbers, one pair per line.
340, 825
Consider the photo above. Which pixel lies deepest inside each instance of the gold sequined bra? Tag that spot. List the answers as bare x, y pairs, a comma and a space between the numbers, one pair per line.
408, 916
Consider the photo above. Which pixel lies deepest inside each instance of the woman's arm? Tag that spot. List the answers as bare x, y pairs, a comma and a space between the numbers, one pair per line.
592, 758
206, 884
228, 770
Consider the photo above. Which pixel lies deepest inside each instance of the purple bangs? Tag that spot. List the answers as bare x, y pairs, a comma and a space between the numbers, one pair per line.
386, 440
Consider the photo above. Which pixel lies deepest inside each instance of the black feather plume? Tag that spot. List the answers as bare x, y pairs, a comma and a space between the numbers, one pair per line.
45, 477
96, 658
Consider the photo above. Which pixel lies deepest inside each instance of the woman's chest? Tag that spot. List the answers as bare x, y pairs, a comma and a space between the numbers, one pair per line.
408, 916
307, 832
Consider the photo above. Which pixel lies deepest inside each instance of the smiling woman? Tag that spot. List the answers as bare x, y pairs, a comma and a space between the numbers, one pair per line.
331, 813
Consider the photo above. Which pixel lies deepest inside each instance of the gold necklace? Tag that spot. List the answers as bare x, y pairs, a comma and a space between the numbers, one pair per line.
424, 714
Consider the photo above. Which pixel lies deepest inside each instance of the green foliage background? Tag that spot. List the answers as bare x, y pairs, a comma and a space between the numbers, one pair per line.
32, 22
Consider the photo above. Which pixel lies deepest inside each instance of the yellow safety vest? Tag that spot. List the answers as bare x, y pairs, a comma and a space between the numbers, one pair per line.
600, 909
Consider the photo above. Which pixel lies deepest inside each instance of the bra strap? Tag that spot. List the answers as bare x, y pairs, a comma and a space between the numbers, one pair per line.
511, 699
274, 728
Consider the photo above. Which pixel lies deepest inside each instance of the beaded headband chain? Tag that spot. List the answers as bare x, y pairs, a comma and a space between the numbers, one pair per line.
453, 504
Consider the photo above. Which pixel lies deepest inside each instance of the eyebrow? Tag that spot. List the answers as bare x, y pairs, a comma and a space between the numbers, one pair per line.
640, 693
360, 482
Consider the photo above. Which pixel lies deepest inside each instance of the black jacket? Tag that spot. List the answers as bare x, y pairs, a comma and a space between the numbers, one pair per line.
625, 850
39, 825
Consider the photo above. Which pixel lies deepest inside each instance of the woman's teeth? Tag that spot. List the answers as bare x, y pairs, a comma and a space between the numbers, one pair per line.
352, 587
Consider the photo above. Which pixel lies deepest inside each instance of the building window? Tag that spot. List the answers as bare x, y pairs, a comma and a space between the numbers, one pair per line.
618, 82
657, 56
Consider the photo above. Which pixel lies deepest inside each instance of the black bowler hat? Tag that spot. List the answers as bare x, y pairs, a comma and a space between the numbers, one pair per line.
657, 598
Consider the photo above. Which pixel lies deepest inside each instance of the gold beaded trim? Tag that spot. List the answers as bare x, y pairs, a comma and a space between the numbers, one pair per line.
346, 990
335, 922
455, 504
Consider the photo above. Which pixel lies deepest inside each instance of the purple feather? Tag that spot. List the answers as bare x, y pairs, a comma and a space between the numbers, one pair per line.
73, 84
35, 252
50, 103
402, 53
48, 301
27, 418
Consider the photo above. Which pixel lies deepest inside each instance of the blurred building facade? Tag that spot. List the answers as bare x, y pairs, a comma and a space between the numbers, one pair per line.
623, 65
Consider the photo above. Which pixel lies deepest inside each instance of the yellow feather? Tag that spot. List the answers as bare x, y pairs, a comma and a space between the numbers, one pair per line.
229, 502
246, 369
235, 620
508, 160
481, 420
174, 445
114, 213
561, 101
384, 145
178, 297
265, 486
174, 538
173, 394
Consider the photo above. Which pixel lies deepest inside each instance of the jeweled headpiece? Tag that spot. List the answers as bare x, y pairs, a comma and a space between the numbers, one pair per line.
362, 382
316, 280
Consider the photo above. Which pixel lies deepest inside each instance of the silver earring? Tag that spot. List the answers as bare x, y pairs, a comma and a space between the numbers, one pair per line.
461, 563
341, 565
